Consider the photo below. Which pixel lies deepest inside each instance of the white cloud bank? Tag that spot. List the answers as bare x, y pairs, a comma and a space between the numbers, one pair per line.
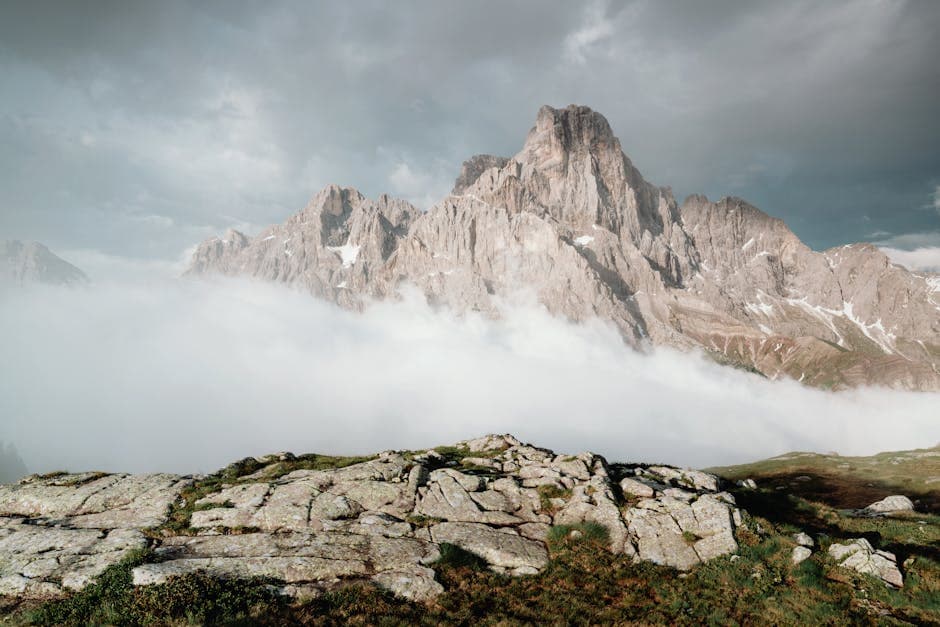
187, 376
924, 258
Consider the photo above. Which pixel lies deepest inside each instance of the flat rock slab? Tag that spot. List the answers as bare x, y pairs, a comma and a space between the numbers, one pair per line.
381, 520
60, 532
40, 561
503, 549
318, 559
94, 500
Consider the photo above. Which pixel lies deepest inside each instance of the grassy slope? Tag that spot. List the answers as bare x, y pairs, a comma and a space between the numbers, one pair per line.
584, 584
849, 482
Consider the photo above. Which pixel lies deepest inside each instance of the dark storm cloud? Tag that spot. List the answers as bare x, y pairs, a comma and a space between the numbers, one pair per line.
140, 128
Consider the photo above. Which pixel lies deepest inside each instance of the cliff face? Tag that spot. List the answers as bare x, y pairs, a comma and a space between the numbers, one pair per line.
572, 219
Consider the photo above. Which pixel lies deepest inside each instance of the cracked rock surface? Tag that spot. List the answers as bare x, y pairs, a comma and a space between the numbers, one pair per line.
57, 533
382, 520
860, 556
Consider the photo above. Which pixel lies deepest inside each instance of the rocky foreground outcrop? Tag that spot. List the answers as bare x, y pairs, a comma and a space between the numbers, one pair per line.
570, 218
383, 520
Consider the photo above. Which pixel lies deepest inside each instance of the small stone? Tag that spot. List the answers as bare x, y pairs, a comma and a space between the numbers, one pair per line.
415, 583
635, 488
803, 539
800, 554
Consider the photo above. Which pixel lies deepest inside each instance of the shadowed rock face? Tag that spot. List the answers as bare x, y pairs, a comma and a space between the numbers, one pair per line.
382, 520
31, 262
570, 218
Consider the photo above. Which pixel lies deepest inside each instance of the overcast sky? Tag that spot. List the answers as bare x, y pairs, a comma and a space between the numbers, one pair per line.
138, 129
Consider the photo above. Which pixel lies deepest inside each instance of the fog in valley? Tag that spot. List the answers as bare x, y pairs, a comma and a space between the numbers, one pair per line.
186, 376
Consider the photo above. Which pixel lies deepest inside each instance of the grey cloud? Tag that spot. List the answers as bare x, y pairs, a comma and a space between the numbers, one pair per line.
823, 114
926, 258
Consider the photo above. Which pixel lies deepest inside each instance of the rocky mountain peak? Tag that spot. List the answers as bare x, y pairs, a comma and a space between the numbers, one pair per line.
473, 167
574, 130
570, 218
32, 262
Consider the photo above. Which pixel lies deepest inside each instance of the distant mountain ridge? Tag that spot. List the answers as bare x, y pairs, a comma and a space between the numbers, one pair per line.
571, 217
31, 262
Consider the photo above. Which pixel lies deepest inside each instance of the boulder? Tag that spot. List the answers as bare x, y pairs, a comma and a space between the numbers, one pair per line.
800, 554
681, 534
632, 487
891, 504
683, 478
803, 539
503, 549
415, 583
859, 555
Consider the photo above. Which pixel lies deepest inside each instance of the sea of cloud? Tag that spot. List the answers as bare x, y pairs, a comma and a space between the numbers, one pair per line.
924, 258
186, 376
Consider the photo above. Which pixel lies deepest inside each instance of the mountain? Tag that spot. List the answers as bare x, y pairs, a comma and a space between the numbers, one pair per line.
31, 262
485, 531
11, 464
570, 218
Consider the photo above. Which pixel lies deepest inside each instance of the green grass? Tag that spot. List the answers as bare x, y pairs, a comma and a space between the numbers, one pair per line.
849, 482
452, 556
549, 492
190, 599
563, 536
314, 461
419, 520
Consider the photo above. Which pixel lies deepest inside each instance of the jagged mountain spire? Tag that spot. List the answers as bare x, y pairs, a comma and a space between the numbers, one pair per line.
570, 217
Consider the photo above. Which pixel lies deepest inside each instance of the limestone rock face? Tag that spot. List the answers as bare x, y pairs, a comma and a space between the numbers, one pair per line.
332, 248
93, 500
58, 533
504, 549
381, 520
571, 219
689, 522
31, 262
859, 555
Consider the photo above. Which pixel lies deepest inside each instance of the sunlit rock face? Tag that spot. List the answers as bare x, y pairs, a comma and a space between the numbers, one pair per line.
570, 219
